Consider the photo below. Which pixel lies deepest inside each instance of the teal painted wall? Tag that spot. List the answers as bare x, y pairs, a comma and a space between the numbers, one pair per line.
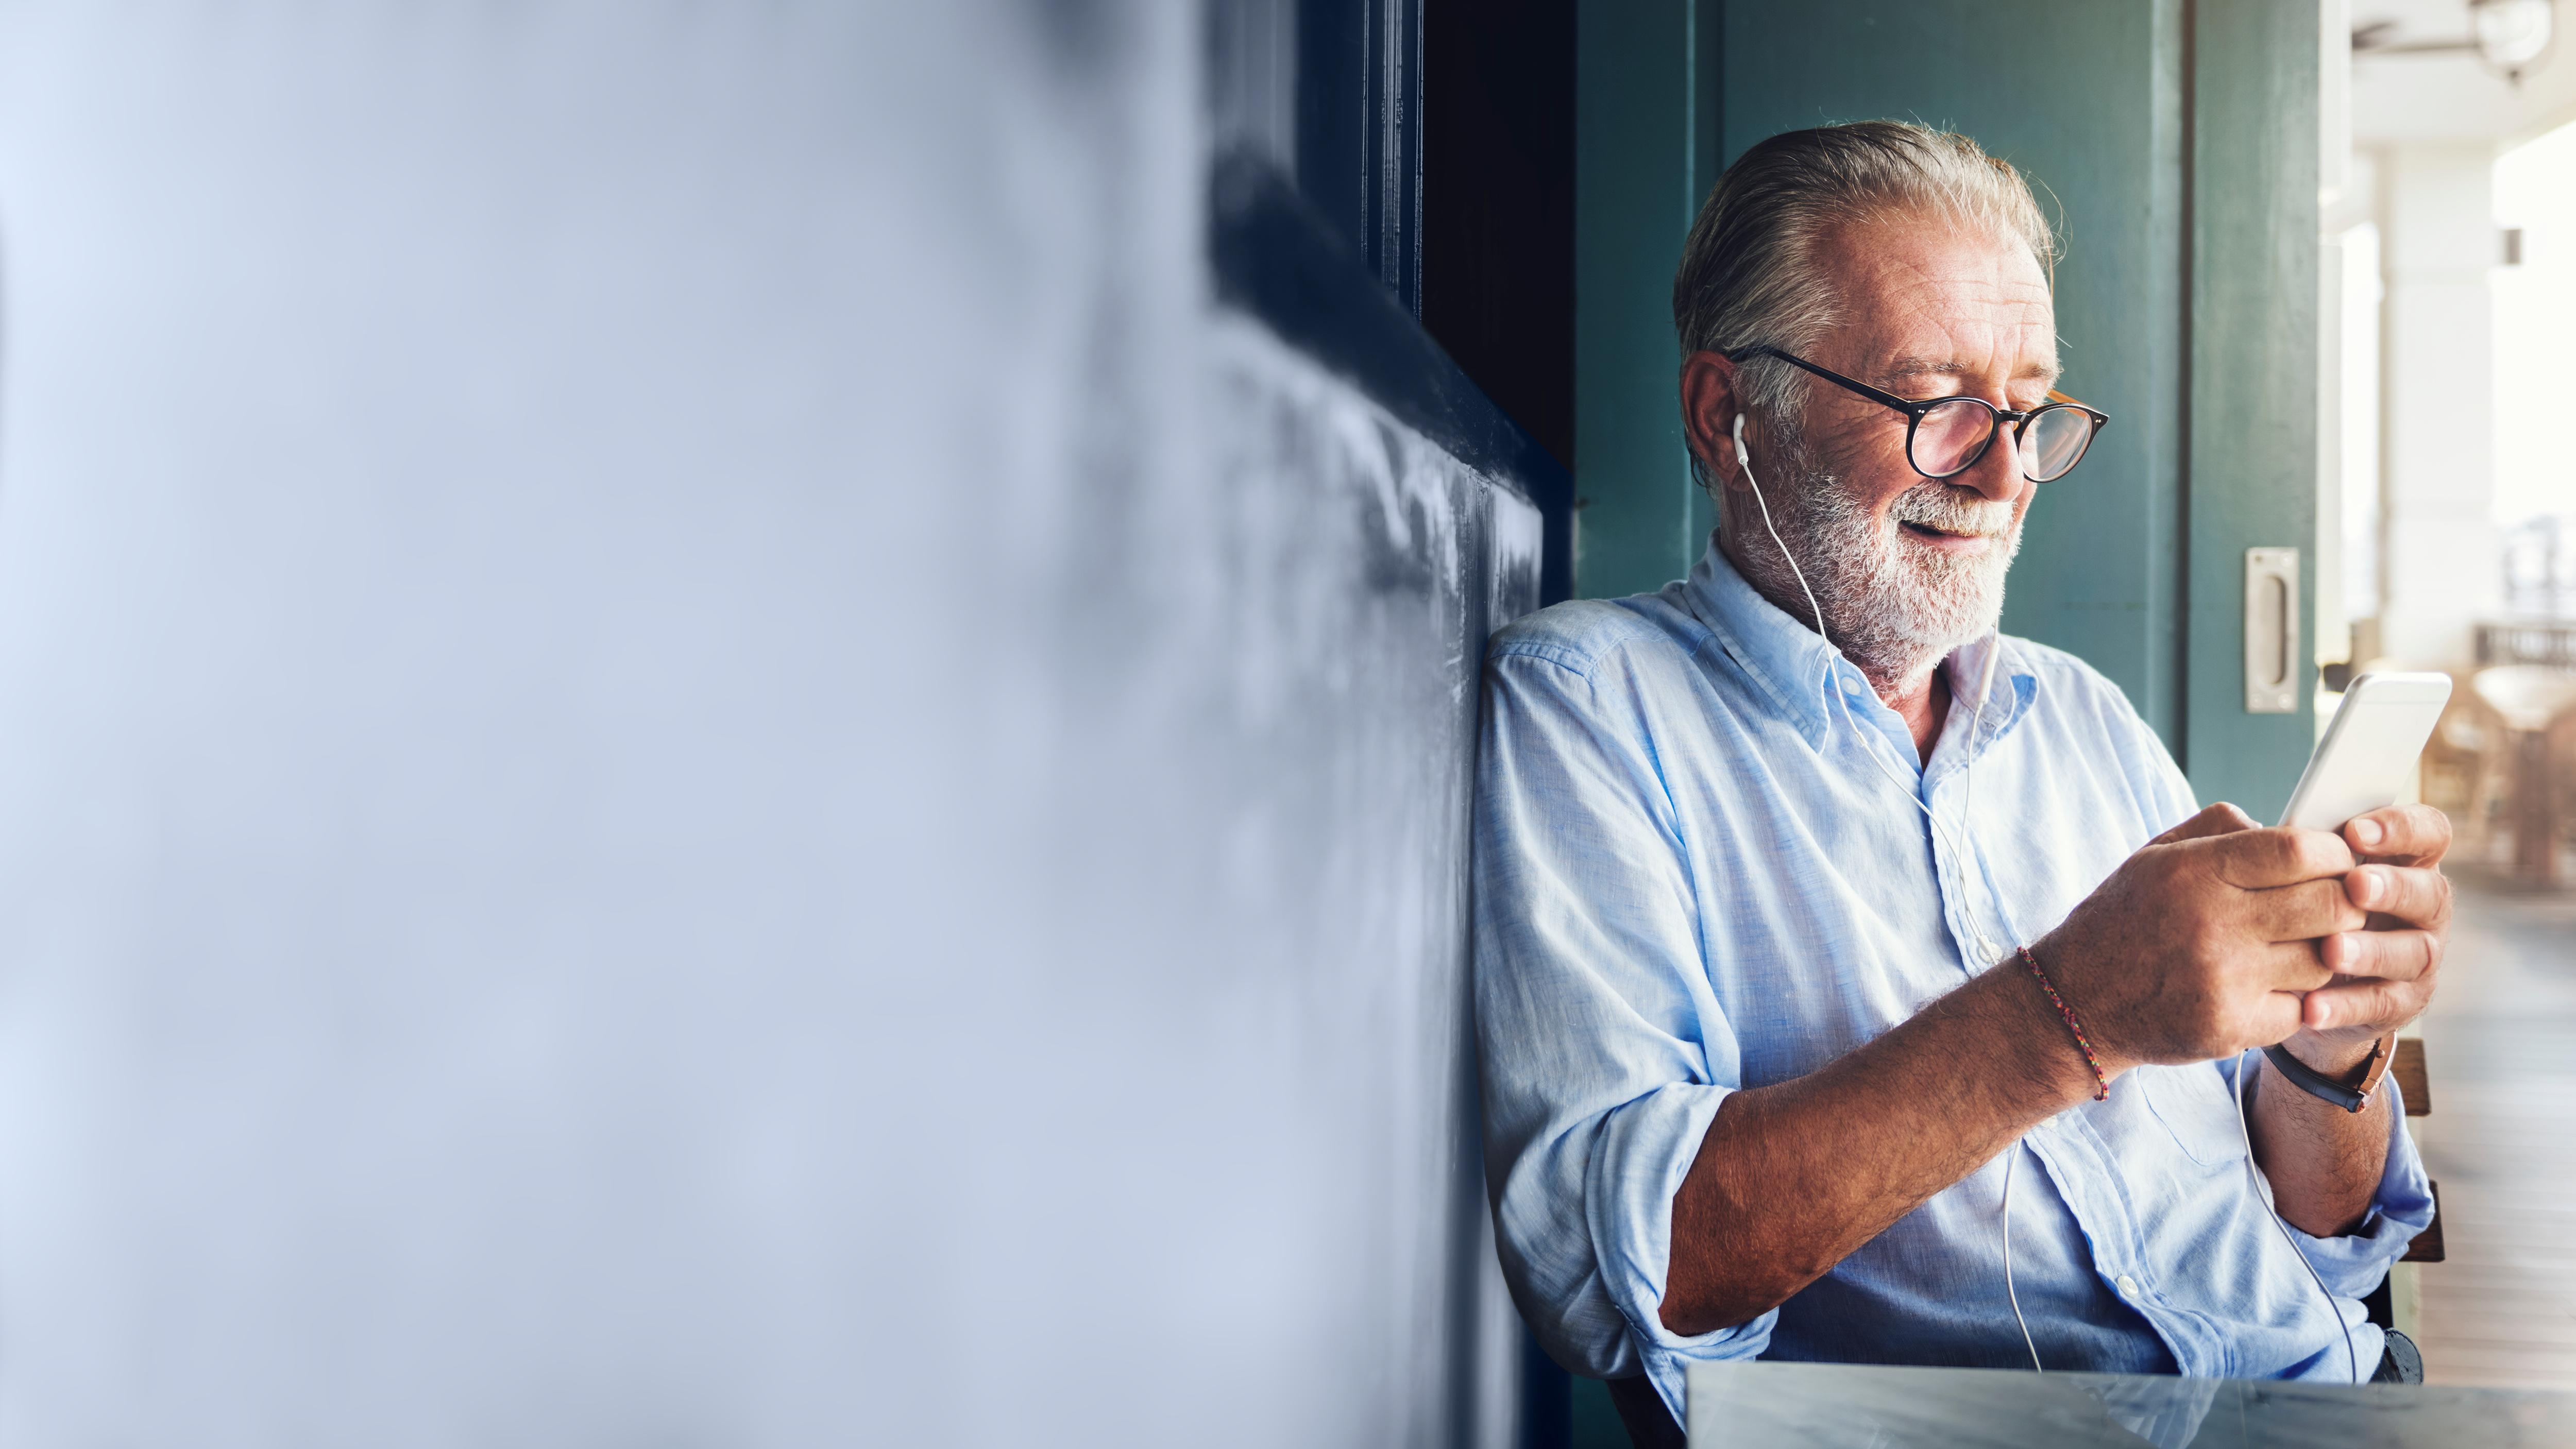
1644, 154
2134, 562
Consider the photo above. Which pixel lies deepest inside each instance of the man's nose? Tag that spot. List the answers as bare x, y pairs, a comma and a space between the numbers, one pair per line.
1997, 475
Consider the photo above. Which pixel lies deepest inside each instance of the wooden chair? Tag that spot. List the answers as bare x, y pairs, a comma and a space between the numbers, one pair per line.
2413, 1084
2537, 707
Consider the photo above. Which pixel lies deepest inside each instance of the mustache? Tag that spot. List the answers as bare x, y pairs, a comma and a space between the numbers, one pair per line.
1951, 509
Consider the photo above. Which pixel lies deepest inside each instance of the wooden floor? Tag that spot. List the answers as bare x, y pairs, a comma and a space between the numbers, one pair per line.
2500, 1043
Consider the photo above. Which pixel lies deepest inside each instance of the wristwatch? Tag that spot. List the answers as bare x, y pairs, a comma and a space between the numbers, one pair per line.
2351, 1098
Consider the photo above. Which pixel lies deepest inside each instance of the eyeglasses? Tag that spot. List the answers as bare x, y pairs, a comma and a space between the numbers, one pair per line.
1945, 436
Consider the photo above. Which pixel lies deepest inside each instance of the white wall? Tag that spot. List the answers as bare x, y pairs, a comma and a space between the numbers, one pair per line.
2535, 188
2438, 248
688, 757
2357, 421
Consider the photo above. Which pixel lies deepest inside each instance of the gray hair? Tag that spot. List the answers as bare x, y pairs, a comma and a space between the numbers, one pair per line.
1748, 275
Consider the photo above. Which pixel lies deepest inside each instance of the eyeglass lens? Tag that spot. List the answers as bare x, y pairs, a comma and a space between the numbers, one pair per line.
1950, 436
1954, 434
2053, 442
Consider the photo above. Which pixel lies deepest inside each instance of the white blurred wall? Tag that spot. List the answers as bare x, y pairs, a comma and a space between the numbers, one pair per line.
689, 757
2439, 248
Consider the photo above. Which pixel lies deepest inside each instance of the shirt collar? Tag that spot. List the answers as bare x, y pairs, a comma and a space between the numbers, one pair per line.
1785, 659
1788, 661
2007, 699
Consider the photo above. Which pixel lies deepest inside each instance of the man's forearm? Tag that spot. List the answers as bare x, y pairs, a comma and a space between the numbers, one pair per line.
2323, 1162
1793, 1177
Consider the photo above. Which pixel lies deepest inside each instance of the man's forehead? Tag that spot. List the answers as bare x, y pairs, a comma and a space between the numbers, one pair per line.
1955, 283
1930, 299
1914, 249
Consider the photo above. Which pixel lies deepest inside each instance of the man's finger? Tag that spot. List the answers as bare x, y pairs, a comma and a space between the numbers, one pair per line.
2291, 967
2277, 1018
2415, 895
2406, 834
2258, 860
2219, 819
2386, 955
2362, 1002
2302, 912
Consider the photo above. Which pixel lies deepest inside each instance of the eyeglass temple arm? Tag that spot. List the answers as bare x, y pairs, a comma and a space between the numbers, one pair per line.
1876, 395
2058, 397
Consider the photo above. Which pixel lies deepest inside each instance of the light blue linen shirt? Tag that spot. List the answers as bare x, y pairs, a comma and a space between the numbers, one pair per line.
1693, 876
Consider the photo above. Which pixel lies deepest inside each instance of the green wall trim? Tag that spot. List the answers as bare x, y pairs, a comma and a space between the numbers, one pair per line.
2253, 448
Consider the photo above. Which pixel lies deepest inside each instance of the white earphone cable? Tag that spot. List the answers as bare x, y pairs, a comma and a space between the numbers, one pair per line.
2351, 1358
2009, 1164
1985, 945
1968, 796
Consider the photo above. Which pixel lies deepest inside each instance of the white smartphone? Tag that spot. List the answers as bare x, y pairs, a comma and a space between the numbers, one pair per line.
2369, 749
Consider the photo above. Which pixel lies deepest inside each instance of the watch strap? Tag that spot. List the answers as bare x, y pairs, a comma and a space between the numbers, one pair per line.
2351, 1097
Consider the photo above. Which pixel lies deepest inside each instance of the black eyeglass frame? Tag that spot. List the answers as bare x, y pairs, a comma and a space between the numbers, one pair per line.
1915, 409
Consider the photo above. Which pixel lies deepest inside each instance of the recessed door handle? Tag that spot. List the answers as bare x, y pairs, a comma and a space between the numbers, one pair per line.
2272, 631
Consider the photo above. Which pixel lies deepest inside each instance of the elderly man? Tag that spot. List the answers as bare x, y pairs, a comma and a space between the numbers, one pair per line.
1831, 946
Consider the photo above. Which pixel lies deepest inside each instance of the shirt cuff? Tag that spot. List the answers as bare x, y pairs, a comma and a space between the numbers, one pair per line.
1645, 1150
2353, 1263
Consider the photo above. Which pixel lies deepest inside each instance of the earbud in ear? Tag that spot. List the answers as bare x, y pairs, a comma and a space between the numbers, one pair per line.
1741, 457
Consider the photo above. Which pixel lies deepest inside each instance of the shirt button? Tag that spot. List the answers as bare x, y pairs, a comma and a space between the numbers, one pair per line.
2128, 1286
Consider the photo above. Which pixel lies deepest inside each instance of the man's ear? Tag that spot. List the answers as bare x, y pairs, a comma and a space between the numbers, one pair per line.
1709, 407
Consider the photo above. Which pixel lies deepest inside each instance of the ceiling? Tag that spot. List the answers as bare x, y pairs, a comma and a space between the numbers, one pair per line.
2452, 96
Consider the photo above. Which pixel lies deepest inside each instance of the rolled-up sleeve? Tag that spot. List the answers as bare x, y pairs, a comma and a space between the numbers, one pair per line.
1603, 1051
2353, 1264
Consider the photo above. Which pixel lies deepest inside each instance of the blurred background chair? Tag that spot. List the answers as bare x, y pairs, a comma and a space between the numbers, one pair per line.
2534, 709
2464, 769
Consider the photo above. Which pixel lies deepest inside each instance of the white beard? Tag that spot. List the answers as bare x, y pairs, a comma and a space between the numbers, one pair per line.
1895, 607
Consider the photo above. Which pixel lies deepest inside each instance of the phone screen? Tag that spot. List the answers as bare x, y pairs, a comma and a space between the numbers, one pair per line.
2369, 750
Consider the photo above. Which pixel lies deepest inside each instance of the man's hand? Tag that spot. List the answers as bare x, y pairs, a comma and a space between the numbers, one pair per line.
2325, 1163
2232, 967
2384, 974
2205, 941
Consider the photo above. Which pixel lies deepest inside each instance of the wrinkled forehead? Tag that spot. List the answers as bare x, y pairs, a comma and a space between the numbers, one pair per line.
1916, 290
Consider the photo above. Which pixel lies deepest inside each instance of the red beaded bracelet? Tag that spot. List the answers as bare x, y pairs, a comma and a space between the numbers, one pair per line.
2101, 1083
